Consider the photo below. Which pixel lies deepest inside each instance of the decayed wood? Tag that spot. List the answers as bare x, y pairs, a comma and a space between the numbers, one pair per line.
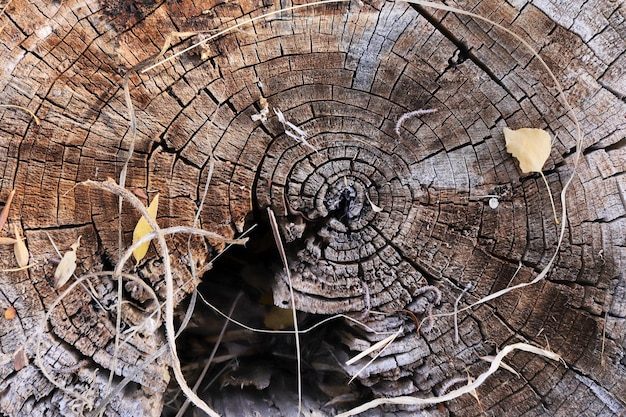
377, 217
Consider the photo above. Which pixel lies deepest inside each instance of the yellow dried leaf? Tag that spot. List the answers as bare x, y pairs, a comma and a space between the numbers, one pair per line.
278, 318
143, 228
19, 247
67, 266
531, 147
10, 313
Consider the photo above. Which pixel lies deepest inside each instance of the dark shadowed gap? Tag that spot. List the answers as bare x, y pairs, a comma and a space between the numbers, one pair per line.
247, 361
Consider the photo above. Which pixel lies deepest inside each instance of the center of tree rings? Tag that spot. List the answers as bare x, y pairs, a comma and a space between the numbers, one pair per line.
341, 204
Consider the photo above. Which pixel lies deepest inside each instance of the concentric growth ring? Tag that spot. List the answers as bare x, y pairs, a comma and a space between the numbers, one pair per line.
341, 203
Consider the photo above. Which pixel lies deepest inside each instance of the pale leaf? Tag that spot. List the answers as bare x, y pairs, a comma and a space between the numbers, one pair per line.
375, 208
67, 266
531, 147
143, 228
278, 318
19, 247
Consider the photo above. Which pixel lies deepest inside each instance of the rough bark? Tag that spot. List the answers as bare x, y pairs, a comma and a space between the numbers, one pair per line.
373, 220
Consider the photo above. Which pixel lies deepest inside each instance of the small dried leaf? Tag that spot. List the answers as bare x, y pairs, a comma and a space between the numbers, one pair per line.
531, 147
140, 192
19, 247
67, 266
278, 318
10, 313
20, 359
143, 228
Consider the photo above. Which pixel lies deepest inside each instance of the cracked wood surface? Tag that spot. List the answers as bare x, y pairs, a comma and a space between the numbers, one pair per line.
372, 219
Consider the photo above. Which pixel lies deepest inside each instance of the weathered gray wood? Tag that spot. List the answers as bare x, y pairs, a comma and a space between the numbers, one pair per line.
344, 73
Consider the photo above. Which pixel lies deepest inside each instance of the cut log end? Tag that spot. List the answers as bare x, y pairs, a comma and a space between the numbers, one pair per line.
387, 208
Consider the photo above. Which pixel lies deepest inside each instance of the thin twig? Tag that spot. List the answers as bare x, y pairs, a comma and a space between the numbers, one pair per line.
5, 210
409, 400
114, 188
380, 346
14, 106
519, 267
568, 107
579, 141
211, 356
545, 181
283, 257
602, 359
407, 116
237, 26
450, 383
242, 236
307, 330
456, 307
133, 119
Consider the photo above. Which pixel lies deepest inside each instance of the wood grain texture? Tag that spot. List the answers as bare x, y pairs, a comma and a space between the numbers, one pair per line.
345, 74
